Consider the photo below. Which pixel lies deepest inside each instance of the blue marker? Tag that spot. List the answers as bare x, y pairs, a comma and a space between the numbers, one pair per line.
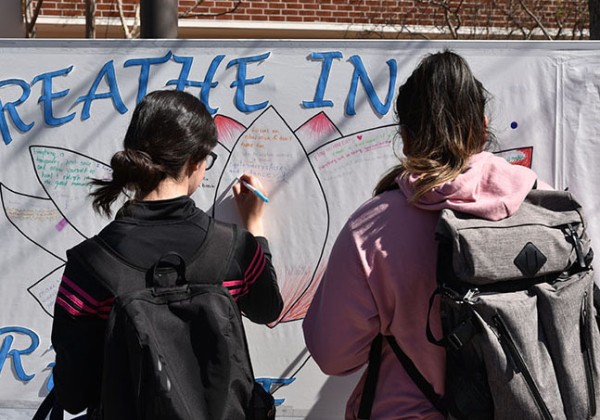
254, 190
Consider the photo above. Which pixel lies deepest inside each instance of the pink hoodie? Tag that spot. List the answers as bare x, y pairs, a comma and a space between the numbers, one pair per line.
381, 274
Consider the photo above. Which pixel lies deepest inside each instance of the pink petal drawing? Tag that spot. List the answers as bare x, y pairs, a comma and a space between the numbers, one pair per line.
297, 217
65, 174
228, 130
301, 295
519, 156
317, 131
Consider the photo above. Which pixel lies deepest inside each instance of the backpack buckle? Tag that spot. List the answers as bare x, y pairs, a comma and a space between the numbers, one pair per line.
470, 295
462, 334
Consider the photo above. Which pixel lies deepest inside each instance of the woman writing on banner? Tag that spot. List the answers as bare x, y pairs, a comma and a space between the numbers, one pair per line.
381, 272
167, 150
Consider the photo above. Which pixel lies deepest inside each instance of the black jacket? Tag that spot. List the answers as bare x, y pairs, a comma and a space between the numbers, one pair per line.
141, 233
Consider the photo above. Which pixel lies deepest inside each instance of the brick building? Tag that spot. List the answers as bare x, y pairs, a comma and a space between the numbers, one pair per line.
458, 19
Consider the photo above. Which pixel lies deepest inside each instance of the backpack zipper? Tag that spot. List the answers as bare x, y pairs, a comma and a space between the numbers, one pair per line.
519, 364
587, 356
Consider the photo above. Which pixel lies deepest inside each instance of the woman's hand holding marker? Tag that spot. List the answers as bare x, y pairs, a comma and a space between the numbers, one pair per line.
255, 191
250, 202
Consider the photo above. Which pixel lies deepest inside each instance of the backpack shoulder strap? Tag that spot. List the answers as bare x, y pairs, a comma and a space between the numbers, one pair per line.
417, 376
368, 395
104, 264
210, 263
207, 266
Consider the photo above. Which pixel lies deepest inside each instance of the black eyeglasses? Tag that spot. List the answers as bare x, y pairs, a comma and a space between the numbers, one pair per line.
210, 160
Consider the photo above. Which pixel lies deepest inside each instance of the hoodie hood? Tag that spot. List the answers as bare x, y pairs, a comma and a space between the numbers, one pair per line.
490, 188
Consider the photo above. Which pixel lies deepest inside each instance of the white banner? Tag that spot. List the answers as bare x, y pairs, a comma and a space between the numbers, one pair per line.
313, 119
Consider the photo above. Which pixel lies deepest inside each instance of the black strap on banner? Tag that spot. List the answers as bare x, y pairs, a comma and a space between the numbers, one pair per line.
368, 395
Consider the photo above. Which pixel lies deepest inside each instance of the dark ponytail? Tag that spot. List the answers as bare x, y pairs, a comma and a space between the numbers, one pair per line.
168, 130
133, 170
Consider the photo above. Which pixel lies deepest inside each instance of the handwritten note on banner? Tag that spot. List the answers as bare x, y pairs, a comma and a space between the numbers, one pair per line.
314, 120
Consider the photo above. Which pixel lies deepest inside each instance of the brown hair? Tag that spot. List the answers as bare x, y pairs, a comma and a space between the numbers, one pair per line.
441, 108
168, 130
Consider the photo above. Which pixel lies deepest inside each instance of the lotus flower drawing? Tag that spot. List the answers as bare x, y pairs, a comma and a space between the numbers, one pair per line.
314, 174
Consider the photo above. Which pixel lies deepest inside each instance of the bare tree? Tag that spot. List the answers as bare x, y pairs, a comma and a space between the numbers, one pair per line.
192, 10
134, 30
452, 13
90, 18
130, 22
31, 13
472, 19
524, 19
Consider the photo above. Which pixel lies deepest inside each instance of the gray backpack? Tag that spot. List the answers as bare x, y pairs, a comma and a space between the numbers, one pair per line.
517, 306
519, 319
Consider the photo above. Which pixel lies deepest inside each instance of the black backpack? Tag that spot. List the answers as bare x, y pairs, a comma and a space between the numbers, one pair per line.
175, 346
519, 313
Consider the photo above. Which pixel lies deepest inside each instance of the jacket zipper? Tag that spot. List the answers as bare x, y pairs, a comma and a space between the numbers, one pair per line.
519, 365
586, 349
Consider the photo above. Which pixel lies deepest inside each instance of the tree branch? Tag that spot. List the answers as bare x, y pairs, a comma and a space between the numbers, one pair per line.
190, 11
90, 18
134, 32
126, 30
536, 19
31, 25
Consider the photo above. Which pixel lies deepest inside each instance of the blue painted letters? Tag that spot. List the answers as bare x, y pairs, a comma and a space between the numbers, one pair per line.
107, 76
48, 96
205, 86
6, 350
145, 64
241, 82
11, 107
361, 74
108, 72
327, 58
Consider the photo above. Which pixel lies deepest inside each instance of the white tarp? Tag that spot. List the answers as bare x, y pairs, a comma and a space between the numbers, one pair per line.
313, 119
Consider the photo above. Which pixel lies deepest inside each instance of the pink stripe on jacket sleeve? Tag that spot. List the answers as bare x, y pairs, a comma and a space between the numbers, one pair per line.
77, 302
85, 295
256, 267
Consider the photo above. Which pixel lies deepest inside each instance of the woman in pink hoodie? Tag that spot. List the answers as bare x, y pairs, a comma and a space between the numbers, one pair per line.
381, 271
